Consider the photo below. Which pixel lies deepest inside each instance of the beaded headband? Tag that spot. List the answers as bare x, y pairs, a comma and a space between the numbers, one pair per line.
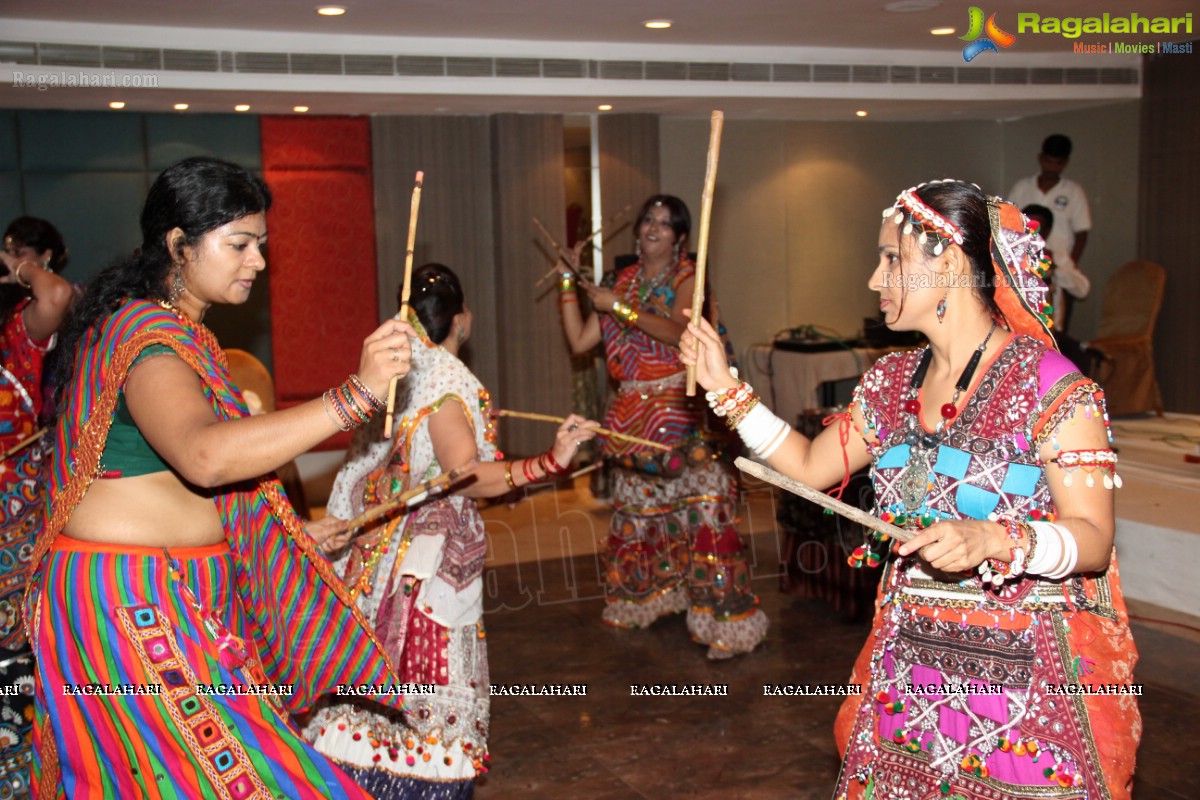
1021, 272
912, 211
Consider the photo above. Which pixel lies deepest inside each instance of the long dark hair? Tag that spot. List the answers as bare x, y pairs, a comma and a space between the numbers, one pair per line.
196, 195
437, 297
965, 205
41, 236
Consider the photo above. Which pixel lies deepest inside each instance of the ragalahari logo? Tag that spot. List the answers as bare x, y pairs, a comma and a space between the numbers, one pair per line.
978, 42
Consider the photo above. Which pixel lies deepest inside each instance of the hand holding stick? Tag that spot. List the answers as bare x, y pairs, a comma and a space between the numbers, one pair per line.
710, 179
851, 513
405, 293
599, 431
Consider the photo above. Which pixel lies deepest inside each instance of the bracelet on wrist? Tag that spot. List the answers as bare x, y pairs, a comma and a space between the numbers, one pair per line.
566, 283
508, 478
625, 313
17, 275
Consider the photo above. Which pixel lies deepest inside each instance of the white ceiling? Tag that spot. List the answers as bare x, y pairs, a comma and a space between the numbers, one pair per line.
752, 31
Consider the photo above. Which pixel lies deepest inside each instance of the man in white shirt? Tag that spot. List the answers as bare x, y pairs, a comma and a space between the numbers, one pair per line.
1072, 219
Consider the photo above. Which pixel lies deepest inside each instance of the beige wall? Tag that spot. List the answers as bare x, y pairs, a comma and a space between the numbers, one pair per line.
796, 206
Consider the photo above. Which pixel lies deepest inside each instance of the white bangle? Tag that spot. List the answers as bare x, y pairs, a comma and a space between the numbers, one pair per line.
1056, 553
762, 431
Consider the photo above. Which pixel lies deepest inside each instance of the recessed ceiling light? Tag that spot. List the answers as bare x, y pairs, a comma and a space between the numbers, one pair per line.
331, 11
180, 106
241, 107
908, 6
860, 113
117, 104
604, 107
657, 24
299, 109
941, 31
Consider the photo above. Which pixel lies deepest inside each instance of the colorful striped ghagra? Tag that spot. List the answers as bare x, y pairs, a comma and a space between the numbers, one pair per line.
130, 683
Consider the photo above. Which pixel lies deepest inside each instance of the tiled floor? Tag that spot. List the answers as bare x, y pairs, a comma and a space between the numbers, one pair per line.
544, 626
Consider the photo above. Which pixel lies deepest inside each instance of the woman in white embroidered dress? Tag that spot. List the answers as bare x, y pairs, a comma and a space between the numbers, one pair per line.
420, 576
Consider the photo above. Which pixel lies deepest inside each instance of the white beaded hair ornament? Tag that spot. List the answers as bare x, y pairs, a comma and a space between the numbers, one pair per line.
914, 214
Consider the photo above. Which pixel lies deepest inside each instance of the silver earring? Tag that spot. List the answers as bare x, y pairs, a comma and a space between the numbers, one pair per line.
460, 335
177, 285
637, 247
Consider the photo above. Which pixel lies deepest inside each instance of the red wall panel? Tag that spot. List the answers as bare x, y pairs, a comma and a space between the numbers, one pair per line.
321, 251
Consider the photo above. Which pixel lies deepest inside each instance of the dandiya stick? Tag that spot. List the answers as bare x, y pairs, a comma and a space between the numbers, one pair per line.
851, 513
710, 179
554, 269
405, 293
411, 497
21, 445
599, 431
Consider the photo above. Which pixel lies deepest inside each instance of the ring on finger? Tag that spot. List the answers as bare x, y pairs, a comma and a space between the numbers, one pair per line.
395, 354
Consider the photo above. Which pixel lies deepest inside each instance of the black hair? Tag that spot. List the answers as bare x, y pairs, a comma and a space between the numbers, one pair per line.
1057, 146
437, 297
196, 195
966, 207
1043, 215
41, 236
680, 220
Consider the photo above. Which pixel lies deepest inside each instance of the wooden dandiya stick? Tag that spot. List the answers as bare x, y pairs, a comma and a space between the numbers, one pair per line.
28, 440
405, 293
560, 420
851, 513
554, 269
710, 180
412, 496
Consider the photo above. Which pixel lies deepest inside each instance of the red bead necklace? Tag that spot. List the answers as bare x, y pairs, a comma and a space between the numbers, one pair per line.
950, 410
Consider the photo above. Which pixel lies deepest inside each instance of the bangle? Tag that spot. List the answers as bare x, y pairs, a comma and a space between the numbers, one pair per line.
332, 418
17, 275
527, 470
995, 571
367, 394
625, 312
566, 283
762, 431
508, 478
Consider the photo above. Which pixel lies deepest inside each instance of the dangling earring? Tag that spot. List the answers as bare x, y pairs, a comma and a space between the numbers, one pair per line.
178, 287
460, 335
681, 252
637, 247
941, 307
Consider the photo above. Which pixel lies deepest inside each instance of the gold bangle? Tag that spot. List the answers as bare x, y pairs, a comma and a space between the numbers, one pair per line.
624, 312
17, 275
508, 475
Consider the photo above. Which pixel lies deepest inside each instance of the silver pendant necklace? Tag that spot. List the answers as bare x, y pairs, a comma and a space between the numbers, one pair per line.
915, 483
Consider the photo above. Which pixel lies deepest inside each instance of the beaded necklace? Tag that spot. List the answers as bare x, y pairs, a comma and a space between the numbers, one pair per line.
914, 481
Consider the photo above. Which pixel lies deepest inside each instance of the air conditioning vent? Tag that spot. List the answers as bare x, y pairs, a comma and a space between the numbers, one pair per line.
868, 73
191, 60
422, 66
701, 71
666, 71
563, 68
465, 67
974, 75
18, 53
791, 73
937, 74
69, 55
316, 64
261, 62
132, 58
369, 65
518, 67
831, 73
750, 72
621, 70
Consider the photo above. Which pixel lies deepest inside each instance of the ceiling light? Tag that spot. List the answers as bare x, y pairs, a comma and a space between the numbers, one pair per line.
604, 107
117, 104
241, 107
331, 11
299, 109
942, 31
180, 106
860, 113
657, 24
